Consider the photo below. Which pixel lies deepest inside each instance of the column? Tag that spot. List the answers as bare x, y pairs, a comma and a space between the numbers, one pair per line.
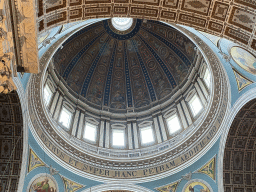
129, 130
57, 111
202, 86
54, 102
74, 127
158, 135
162, 127
182, 116
135, 135
187, 114
80, 126
107, 135
200, 94
101, 133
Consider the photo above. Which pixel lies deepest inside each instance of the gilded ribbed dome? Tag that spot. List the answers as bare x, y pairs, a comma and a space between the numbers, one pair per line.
133, 69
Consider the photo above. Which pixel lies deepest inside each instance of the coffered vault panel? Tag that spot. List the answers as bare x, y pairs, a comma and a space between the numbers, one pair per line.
11, 139
239, 159
232, 19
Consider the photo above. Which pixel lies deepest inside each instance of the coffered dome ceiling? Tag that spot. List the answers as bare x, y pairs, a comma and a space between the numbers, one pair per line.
136, 68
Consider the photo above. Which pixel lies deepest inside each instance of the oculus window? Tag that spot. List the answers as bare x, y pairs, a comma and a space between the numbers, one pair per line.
90, 132
122, 24
47, 94
118, 137
65, 117
146, 134
207, 77
173, 124
195, 105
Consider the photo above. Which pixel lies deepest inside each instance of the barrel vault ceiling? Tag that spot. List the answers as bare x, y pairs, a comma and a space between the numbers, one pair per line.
232, 19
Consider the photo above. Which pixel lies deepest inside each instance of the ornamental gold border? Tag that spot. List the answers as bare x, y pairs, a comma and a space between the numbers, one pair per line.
192, 148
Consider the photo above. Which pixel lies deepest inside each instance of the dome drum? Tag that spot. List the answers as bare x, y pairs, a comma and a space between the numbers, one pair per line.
187, 106
129, 123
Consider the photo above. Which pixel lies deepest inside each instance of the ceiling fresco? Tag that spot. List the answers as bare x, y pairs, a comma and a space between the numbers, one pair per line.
145, 64
231, 19
239, 159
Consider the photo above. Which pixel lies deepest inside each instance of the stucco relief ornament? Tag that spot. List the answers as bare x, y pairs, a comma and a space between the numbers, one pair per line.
225, 56
188, 176
53, 171
48, 41
6, 84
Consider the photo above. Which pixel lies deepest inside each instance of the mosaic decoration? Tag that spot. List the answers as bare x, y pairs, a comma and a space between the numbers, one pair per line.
209, 169
168, 188
240, 151
43, 184
197, 187
244, 59
71, 186
34, 161
123, 70
241, 81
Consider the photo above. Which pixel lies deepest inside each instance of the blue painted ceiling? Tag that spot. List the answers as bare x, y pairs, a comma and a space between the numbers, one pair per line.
120, 70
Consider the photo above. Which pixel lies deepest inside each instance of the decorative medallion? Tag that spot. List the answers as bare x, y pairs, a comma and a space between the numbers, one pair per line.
71, 186
168, 188
34, 161
197, 186
43, 183
244, 59
241, 80
209, 168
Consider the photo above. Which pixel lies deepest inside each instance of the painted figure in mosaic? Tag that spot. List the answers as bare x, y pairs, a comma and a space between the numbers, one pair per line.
244, 59
43, 186
198, 188
189, 48
118, 97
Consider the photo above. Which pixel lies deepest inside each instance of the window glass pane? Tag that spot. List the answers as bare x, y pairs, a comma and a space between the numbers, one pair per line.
146, 135
195, 105
207, 77
173, 124
47, 94
90, 132
118, 137
122, 24
65, 117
